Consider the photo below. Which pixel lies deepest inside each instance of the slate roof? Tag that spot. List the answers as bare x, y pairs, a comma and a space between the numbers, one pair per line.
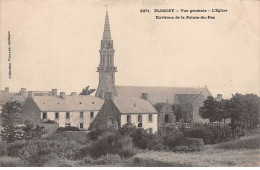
160, 94
133, 105
184, 99
5, 97
69, 103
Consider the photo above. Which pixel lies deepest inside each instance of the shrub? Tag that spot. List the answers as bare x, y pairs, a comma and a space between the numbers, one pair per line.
181, 148
172, 141
112, 143
3, 149
210, 133
40, 151
93, 135
142, 139
108, 159
50, 121
11, 162
15, 149
68, 128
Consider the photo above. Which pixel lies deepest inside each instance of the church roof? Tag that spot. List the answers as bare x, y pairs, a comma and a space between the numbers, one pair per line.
69, 103
133, 105
184, 99
160, 94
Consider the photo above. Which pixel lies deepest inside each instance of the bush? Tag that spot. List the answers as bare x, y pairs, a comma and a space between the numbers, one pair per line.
112, 143
93, 135
15, 149
11, 162
39, 151
108, 159
142, 139
3, 149
171, 141
68, 128
210, 133
181, 148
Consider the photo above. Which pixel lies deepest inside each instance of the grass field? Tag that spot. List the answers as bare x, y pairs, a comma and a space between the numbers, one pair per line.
241, 152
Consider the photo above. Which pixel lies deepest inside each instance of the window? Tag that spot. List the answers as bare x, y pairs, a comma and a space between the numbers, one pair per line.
81, 125
91, 115
67, 125
128, 118
139, 118
150, 130
67, 115
166, 118
57, 115
81, 114
44, 115
150, 118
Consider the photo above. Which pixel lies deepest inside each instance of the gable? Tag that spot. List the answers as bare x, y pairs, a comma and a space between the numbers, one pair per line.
108, 110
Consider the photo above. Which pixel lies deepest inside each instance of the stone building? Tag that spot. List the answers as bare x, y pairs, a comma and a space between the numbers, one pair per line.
77, 111
165, 114
157, 95
118, 111
188, 107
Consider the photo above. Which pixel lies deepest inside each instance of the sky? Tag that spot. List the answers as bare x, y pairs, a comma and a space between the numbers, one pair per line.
55, 44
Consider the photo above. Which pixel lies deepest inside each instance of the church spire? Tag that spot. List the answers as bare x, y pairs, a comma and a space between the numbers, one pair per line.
106, 68
106, 33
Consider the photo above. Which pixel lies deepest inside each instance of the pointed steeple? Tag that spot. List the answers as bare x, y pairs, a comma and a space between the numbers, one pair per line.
106, 68
106, 33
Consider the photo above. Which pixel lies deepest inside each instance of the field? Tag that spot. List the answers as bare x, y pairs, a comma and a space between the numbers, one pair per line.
242, 152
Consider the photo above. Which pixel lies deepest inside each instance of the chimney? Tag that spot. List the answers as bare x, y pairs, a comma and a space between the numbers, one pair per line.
219, 97
73, 93
30, 94
145, 96
7, 89
108, 96
62, 95
23, 91
54, 92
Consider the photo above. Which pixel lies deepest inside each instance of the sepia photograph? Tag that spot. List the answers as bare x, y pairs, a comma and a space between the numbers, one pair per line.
129, 83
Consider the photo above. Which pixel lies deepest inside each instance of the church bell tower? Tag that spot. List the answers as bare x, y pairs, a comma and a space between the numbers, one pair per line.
106, 68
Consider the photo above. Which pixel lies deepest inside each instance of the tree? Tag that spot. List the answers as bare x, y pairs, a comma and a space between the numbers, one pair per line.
210, 110
10, 113
87, 91
244, 111
32, 132
251, 103
10, 117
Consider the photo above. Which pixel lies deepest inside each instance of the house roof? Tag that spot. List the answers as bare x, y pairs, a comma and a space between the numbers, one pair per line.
133, 105
187, 98
6, 96
160, 94
69, 103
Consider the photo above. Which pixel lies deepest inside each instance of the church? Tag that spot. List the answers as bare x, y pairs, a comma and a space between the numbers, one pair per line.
171, 103
112, 105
